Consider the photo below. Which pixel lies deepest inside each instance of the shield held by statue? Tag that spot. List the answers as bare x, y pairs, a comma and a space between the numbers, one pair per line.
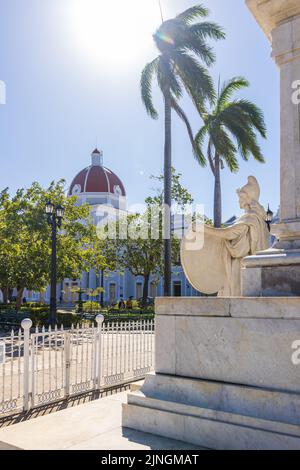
202, 261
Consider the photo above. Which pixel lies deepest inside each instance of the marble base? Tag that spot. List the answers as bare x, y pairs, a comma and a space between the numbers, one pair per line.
274, 272
224, 374
215, 415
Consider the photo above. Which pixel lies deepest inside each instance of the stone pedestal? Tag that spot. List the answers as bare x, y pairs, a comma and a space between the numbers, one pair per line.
224, 374
272, 272
279, 269
226, 371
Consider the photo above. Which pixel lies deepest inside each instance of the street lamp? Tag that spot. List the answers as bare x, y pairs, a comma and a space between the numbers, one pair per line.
269, 218
55, 216
102, 289
80, 301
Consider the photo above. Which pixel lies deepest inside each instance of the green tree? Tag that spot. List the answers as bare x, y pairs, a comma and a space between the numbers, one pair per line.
26, 240
182, 47
137, 242
179, 194
231, 127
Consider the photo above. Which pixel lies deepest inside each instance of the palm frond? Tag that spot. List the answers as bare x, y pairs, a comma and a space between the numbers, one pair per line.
254, 148
191, 14
200, 49
210, 157
255, 114
207, 29
240, 125
199, 142
146, 87
196, 150
184, 37
195, 78
225, 148
240, 129
229, 88
167, 79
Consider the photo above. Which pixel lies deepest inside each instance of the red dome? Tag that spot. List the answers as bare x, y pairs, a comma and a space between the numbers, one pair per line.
97, 179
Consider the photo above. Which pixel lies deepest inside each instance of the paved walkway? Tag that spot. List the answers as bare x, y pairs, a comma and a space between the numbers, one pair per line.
92, 426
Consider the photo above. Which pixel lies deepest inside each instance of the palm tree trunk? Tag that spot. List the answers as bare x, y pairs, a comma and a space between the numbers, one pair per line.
217, 194
167, 197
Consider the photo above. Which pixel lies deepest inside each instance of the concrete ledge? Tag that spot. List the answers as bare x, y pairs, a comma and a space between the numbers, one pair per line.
192, 306
205, 432
253, 402
271, 258
138, 399
249, 351
237, 307
215, 415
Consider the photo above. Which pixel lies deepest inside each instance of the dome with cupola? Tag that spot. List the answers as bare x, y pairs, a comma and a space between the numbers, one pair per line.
96, 184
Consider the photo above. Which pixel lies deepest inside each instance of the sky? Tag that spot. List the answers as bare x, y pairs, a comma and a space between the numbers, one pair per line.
72, 70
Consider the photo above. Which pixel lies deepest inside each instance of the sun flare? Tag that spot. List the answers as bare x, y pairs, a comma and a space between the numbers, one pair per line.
114, 32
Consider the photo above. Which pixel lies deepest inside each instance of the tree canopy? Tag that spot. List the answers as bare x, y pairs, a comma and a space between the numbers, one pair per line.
25, 249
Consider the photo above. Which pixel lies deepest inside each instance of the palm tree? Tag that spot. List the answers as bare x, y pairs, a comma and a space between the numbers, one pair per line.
181, 42
231, 128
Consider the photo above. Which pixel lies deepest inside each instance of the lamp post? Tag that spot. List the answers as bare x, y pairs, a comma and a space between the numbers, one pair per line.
269, 218
55, 215
80, 302
102, 289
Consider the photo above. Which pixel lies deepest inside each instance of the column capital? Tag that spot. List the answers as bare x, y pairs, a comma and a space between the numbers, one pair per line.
270, 14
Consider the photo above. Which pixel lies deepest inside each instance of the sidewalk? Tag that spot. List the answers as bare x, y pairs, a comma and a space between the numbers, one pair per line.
91, 426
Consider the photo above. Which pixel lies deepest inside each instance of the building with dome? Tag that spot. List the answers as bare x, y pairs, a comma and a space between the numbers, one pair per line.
105, 193
97, 185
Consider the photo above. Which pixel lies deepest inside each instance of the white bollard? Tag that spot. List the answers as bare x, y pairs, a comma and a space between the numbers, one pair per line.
99, 320
26, 324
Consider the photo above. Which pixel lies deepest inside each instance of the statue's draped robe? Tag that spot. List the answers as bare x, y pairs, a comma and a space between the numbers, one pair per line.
246, 237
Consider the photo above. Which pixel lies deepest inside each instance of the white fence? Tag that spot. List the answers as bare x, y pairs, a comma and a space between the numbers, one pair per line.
47, 365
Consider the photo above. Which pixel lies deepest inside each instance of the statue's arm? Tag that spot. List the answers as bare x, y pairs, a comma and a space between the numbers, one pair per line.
228, 233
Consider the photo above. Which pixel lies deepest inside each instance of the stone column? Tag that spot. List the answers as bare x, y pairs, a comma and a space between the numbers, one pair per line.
277, 271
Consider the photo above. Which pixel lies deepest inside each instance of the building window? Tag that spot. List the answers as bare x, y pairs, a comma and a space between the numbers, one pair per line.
177, 289
139, 290
153, 289
112, 293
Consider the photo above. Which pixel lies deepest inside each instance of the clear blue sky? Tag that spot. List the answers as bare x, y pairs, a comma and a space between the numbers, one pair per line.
65, 92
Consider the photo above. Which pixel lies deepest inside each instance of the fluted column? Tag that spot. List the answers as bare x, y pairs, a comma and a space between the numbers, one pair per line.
280, 20
277, 270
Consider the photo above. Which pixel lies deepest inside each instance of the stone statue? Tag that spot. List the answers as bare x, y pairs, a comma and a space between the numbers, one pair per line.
216, 267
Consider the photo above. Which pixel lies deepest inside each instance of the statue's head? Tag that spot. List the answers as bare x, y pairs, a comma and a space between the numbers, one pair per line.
249, 193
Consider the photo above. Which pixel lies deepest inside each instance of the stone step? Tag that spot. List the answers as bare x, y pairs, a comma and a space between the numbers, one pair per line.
207, 427
136, 386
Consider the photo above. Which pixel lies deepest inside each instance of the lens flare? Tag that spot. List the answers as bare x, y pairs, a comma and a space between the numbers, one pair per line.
165, 38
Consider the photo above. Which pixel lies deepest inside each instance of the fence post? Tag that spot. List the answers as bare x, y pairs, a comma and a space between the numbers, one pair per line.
67, 345
99, 320
26, 324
